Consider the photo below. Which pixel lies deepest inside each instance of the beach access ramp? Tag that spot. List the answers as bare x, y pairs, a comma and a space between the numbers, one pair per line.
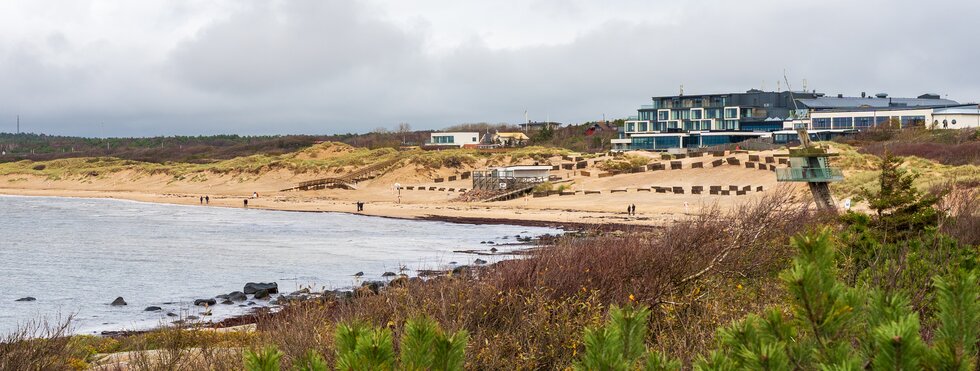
347, 181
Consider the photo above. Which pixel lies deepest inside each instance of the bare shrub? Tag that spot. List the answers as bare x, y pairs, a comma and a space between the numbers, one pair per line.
38, 345
961, 213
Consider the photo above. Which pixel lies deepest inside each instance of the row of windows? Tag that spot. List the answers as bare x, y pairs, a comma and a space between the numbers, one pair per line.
693, 114
661, 143
443, 139
655, 142
865, 122
690, 102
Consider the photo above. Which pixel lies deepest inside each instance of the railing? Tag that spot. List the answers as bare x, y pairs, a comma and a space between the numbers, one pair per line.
815, 174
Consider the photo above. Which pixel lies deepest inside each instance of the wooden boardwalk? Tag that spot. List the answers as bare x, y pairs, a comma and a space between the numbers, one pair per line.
350, 180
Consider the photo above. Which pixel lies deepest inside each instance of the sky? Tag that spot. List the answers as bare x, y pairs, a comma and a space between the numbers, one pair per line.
201, 67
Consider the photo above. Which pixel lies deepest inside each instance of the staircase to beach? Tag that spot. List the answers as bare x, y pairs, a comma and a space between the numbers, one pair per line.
349, 180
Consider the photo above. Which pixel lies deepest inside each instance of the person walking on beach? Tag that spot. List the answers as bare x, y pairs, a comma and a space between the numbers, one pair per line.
629, 210
202, 200
207, 200
633, 209
245, 201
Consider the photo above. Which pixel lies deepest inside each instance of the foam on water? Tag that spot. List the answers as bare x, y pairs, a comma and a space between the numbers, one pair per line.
77, 255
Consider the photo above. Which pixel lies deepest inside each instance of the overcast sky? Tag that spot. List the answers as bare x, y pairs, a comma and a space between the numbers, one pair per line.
166, 67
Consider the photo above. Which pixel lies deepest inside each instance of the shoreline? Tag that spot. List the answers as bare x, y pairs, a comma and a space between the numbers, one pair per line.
458, 213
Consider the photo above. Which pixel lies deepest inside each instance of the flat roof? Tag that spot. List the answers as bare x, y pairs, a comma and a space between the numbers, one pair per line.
524, 167
815, 131
962, 110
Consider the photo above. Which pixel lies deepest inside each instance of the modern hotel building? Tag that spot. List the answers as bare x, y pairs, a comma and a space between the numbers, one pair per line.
692, 121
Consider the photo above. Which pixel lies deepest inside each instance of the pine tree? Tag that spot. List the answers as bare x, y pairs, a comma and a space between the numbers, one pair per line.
899, 207
620, 344
266, 359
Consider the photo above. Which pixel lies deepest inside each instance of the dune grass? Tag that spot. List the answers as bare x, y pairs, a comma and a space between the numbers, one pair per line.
860, 171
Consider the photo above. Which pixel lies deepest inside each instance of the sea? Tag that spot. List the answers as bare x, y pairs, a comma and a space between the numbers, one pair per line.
76, 255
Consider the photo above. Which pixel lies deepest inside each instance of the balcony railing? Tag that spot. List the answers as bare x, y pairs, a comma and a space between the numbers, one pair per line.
813, 174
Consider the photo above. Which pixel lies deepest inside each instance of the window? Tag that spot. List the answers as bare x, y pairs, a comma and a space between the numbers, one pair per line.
472, 139
663, 115
843, 123
642, 143
909, 121
882, 121
862, 122
666, 142
820, 123
697, 114
643, 126
731, 113
443, 139
630, 127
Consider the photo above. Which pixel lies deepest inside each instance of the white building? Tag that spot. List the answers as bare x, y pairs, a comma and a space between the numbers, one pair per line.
539, 172
957, 117
457, 139
966, 116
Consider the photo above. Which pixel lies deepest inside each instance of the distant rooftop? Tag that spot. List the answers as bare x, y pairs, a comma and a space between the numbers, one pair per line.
873, 102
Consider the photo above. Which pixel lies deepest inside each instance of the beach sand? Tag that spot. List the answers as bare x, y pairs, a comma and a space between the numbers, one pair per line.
605, 208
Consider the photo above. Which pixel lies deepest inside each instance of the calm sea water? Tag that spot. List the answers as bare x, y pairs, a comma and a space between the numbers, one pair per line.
77, 255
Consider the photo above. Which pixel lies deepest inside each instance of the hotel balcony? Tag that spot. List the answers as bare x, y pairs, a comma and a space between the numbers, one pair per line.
813, 174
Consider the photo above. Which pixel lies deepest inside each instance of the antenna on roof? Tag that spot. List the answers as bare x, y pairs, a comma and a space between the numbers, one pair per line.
18, 124
682, 90
779, 86
804, 83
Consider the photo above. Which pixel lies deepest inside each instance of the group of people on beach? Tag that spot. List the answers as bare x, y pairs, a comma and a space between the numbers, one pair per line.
205, 200
360, 206
631, 209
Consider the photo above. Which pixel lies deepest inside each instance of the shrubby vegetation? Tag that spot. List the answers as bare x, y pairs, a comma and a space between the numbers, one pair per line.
893, 289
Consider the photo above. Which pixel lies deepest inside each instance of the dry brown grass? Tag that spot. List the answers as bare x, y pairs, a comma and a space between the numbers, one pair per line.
961, 210
39, 345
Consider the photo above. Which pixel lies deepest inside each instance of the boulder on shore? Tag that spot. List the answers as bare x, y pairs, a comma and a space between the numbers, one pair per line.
208, 302
118, 302
152, 309
29, 298
237, 296
388, 274
262, 294
253, 287
227, 302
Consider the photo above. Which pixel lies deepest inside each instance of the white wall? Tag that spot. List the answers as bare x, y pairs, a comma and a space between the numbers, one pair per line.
963, 121
459, 138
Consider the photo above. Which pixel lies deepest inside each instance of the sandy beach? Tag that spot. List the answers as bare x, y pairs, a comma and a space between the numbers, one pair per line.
604, 205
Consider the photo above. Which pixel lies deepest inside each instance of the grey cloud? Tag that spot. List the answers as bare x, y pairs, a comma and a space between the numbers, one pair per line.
303, 66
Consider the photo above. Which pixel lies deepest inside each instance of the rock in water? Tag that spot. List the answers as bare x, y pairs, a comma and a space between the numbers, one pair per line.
252, 287
118, 302
262, 294
388, 274
205, 302
358, 274
479, 261
227, 302
152, 309
29, 298
237, 296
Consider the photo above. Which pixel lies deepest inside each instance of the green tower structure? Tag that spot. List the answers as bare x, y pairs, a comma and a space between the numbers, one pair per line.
810, 163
